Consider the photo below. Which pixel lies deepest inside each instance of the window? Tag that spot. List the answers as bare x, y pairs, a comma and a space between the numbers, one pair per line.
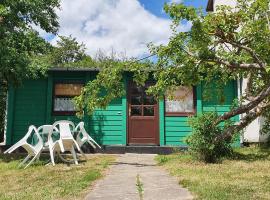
141, 104
182, 103
63, 96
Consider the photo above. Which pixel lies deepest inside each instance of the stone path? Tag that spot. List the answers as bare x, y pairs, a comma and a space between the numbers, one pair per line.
132, 172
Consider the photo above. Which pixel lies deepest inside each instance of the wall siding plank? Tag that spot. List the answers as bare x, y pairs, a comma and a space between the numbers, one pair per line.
29, 107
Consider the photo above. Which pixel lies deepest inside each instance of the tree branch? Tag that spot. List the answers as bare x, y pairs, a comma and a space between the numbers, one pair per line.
231, 65
224, 39
254, 55
236, 65
228, 133
246, 120
245, 108
248, 92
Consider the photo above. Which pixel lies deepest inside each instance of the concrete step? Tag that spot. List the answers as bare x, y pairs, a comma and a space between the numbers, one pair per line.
140, 149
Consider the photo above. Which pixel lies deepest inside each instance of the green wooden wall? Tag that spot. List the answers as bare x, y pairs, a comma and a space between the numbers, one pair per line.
26, 107
31, 103
105, 126
177, 128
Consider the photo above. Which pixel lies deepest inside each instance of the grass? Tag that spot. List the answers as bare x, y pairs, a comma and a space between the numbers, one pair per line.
139, 186
48, 182
245, 176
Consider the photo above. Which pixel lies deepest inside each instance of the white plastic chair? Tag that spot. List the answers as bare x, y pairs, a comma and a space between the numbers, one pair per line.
33, 150
84, 137
44, 131
66, 141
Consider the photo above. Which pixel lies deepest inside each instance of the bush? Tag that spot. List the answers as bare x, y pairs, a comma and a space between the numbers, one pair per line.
202, 143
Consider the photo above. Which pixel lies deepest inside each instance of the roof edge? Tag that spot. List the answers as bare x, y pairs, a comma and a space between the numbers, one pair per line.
61, 69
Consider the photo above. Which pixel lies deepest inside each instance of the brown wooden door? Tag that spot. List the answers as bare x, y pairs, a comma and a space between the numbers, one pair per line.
143, 117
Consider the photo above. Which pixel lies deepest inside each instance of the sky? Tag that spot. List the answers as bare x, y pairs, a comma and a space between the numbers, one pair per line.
124, 26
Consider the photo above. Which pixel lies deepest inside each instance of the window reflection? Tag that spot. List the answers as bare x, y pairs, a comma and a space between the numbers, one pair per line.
182, 101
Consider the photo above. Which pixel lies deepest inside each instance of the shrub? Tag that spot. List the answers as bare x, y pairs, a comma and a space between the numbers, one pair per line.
202, 143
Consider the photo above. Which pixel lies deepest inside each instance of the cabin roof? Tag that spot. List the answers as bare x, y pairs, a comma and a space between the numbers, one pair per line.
79, 69
83, 69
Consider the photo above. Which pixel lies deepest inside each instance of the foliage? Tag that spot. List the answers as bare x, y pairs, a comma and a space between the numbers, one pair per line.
20, 43
109, 84
226, 45
102, 90
18, 39
67, 51
203, 143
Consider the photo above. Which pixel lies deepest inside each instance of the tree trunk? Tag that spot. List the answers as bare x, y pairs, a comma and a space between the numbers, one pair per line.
245, 121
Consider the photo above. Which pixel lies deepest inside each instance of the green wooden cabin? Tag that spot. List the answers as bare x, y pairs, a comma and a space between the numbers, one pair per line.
133, 119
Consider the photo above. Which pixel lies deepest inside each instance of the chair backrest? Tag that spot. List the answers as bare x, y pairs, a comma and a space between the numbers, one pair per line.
39, 142
65, 128
44, 131
80, 128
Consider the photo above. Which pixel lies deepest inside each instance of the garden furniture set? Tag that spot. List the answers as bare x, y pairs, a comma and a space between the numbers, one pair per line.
58, 138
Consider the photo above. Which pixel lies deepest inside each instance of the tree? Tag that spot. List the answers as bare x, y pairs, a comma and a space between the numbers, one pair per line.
18, 40
20, 43
227, 45
68, 51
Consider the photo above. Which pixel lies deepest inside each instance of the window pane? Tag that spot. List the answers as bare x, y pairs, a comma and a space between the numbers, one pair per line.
136, 100
148, 111
63, 104
136, 111
182, 101
62, 89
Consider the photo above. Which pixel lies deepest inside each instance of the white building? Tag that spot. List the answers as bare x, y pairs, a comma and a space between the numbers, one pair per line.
252, 132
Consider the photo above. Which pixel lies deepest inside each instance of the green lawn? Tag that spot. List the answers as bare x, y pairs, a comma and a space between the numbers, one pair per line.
246, 176
48, 182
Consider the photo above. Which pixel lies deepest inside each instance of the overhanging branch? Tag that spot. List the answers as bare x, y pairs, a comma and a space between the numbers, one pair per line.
245, 108
253, 54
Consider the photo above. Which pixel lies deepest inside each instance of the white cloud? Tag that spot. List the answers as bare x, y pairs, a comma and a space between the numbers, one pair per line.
176, 1
123, 25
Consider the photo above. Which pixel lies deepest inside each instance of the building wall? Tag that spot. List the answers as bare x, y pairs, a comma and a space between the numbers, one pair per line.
177, 128
105, 126
252, 131
28, 105
31, 104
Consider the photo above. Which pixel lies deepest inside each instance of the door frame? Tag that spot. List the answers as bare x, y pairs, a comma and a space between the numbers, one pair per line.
129, 82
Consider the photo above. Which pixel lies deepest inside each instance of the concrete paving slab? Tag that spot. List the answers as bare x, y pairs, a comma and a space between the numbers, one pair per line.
121, 181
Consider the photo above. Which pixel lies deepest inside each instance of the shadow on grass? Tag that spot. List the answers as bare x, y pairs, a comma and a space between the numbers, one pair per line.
11, 157
19, 157
251, 154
